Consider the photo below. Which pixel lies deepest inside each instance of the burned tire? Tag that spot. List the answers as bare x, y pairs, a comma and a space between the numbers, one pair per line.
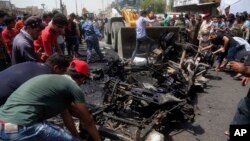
107, 36
116, 26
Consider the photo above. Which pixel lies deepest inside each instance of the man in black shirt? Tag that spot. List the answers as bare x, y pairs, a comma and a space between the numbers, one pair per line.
72, 36
14, 76
227, 47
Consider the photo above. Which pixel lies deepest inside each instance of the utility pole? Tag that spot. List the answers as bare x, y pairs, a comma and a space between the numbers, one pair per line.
102, 5
11, 7
61, 6
76, 8
43, 5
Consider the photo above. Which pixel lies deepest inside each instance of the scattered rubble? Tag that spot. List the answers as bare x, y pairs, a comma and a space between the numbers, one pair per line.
134, 102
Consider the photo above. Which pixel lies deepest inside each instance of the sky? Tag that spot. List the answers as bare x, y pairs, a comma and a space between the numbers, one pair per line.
91, 5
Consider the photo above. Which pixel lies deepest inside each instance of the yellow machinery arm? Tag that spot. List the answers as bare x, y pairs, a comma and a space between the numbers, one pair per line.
120, 32
130, 16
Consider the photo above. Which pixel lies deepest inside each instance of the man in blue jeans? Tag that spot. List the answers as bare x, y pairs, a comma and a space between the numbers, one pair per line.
23, 116
141, 35
228, 47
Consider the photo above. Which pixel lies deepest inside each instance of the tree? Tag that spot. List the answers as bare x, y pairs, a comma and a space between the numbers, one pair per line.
158, 6
145, 4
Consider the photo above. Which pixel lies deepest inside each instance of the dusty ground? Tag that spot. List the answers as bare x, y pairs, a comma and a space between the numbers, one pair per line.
215, 109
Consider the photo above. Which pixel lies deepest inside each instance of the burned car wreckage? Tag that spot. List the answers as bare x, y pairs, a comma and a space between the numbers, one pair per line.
133, 103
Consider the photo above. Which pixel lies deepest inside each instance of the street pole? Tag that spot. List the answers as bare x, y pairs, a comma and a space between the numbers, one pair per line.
76, 8
61, 6
11, 7
102, 5
43, 5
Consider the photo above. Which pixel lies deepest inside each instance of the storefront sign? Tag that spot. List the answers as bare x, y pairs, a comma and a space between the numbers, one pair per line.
185, 2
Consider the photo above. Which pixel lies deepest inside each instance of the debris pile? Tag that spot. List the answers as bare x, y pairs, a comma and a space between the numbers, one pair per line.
130, 101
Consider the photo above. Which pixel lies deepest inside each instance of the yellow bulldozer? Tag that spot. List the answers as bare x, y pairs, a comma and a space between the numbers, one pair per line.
119, 29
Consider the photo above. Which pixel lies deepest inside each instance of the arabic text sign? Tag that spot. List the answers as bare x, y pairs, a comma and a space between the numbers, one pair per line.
185, 2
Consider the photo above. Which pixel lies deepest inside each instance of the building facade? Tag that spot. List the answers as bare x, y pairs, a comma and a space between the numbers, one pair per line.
6, 6
196, 6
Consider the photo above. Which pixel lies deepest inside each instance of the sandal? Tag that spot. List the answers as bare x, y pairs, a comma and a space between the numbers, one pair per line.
226, 133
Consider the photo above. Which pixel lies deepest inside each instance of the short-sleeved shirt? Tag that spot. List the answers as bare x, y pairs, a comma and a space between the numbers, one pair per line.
166, 21
16, 75
47, 40
141, 27
219, 40
247, 23
71, 29
220, 25
40, 98
8, 35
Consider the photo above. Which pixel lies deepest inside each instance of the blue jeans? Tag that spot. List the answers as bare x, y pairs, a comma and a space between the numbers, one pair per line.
138, 45
90, 45
231, 53
38, 132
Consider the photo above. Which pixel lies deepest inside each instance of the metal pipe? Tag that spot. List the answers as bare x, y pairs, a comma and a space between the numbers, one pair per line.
122, 120
182, 58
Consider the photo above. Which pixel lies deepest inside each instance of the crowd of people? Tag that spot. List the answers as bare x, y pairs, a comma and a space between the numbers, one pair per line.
225, 37
235, 24
32, 57
50, 33
40, 81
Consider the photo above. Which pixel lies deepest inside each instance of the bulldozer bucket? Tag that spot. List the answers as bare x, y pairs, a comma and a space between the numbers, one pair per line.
127, 38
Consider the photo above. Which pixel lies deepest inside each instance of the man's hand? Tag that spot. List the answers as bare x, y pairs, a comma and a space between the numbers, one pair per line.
200, 49
81, 111
237, 66
222, 49
69, 123
44, 56
244, 81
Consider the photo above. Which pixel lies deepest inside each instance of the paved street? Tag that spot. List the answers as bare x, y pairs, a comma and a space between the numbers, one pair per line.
215, 110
